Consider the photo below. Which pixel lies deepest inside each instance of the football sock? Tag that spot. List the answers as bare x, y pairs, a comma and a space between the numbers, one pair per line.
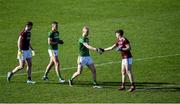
46, 74
29, 78
94, 82
11, 73
132, 84
60, 78
123, 84
71, 79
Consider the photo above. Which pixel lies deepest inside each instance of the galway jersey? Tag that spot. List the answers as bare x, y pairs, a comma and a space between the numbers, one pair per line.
25, 40
122, 43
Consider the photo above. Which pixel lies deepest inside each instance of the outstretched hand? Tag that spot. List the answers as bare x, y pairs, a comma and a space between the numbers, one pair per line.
60, 42
119, 49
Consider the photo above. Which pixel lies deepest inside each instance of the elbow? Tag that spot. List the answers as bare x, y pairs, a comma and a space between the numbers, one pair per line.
89, 48
50, 42
128, 49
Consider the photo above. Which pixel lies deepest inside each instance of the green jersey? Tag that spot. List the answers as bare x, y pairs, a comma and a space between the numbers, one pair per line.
83, 51
54, 35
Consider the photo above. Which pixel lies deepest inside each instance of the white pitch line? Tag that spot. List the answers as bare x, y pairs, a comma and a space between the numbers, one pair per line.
108, 63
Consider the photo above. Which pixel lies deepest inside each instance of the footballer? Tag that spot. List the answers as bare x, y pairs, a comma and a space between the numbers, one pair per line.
25, 52
84, 57
53, 42
123, 45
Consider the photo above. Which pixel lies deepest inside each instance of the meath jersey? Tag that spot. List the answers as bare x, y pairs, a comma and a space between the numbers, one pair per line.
83, 51
25, 40
54, 35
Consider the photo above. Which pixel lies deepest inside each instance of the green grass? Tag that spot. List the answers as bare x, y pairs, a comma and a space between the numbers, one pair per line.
152, 26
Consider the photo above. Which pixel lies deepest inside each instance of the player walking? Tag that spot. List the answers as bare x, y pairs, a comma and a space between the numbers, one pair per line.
25, 52
123, 45
53, 41
84, 57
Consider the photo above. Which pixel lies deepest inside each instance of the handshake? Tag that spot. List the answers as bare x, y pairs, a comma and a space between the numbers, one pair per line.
100, 50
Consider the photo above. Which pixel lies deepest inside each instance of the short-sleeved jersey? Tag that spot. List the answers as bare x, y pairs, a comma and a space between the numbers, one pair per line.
122, 43
25, 40
54, 35
83, 51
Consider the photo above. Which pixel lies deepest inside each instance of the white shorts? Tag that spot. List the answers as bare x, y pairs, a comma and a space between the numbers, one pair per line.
26, 54
86, 60
53, 53
127, 61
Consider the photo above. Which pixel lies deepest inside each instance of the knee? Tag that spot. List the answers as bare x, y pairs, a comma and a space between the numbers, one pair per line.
57, 64
51, 64
21, 66
94, 71
30, 65
123, 72
128, 72
78, 72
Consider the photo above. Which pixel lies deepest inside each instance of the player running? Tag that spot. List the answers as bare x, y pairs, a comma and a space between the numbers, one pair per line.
53, 41
84, 57
25, 53
123, 45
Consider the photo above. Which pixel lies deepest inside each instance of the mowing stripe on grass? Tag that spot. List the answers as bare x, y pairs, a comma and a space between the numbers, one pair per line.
108, 63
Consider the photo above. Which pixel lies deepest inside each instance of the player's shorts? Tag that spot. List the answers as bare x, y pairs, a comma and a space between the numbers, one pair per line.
53, 53
127, 61
26, 54
85, 60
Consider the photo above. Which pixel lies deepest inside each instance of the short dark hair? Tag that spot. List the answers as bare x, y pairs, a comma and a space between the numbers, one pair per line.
54, 22
120, 31
29, 23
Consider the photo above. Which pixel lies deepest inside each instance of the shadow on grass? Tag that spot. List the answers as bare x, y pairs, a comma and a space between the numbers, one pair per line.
148, 86
37, 82
140, 86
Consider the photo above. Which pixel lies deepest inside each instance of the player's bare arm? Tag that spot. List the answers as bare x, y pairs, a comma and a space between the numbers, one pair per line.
19, 42
30, 45
110, 48
32, 50
89, 47
51, 42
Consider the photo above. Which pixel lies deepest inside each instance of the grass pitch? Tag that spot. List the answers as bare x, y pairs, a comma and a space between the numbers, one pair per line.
152, 26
